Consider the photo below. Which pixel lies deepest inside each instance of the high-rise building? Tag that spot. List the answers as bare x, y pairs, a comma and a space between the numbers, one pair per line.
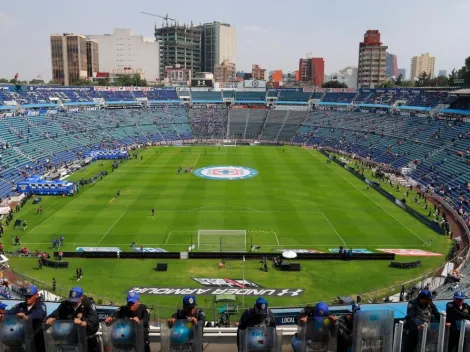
276, 76
69, 58
258, 73
225, 72
92, 58
372, 61
442, 73
123, 51
402, 72
218, 43
420, 64
179, 45
391, 69
312, 70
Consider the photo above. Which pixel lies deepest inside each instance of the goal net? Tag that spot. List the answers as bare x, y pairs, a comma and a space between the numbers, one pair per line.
221, 240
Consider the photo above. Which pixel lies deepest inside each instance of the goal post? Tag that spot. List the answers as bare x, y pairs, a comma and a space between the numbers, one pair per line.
221, 240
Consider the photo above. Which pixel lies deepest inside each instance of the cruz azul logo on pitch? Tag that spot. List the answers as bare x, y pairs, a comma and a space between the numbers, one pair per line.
226, 172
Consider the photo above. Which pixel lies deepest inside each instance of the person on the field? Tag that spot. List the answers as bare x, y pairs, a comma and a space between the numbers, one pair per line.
136, 311
81, 310
258, 316
32, 308
457, 310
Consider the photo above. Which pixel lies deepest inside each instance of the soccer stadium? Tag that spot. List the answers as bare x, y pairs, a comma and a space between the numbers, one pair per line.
335, 195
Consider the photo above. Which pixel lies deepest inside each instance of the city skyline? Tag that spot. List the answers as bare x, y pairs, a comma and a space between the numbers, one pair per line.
266, 41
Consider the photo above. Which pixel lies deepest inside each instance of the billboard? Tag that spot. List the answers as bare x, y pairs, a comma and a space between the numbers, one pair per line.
253, 83
202, 83
228, 85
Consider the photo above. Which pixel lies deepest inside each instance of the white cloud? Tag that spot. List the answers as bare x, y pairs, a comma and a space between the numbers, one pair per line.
255, 28
5, 20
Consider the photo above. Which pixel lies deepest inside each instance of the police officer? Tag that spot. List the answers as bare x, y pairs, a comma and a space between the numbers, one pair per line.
456, 310
420, 310
32, 308
345, 329
81, 310
136, 311
258, 316
189, 312
320, 310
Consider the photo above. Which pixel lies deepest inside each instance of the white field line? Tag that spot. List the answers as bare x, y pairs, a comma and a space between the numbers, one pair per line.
102, 238
298, 246
197, 159
226, 206
169, 234
365, 194
337, 233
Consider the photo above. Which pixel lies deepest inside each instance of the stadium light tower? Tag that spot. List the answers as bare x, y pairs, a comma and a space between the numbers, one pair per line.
166, 18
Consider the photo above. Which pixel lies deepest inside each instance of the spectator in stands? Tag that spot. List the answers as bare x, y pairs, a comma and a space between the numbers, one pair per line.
345, 329
35, 309
81, 310
188, 312
456, 310
258, 316
420, 310
136, 311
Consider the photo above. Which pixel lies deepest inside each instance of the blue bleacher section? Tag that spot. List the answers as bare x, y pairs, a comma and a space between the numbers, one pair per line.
436, 148
32, 144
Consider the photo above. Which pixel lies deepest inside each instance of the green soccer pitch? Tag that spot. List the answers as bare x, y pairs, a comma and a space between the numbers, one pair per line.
296, 201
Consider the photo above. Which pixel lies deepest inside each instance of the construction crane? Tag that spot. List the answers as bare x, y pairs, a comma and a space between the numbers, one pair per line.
166, 18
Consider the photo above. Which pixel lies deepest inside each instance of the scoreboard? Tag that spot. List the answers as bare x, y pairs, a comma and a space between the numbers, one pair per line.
202, 83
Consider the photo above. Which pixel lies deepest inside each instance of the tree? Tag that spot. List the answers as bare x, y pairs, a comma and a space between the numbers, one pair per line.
82, 82
387, 84
103, 81
399, 80
464, 72
442, 81
334, 84
4, 80
36, 81
424, 80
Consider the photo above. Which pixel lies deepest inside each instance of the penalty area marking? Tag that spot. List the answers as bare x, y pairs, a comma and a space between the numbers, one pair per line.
169, 234
383, 209
112, 200
102, 238
261, 232
337, 233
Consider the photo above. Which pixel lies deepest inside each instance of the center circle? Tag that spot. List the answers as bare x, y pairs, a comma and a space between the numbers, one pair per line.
229, 173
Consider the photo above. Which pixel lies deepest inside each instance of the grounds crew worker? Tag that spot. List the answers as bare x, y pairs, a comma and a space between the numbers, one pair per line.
136, 311
32, 308
189, 312
81, 310
345, 329
258, 316
456, 310
420, 310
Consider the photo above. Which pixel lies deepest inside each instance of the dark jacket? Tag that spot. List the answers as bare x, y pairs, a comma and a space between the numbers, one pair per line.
199, 315
454, 313
345, 332
417, 315
37, 314
250, 319
86, 311
142, 313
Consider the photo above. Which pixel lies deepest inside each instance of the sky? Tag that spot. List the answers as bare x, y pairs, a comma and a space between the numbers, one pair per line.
271, 33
